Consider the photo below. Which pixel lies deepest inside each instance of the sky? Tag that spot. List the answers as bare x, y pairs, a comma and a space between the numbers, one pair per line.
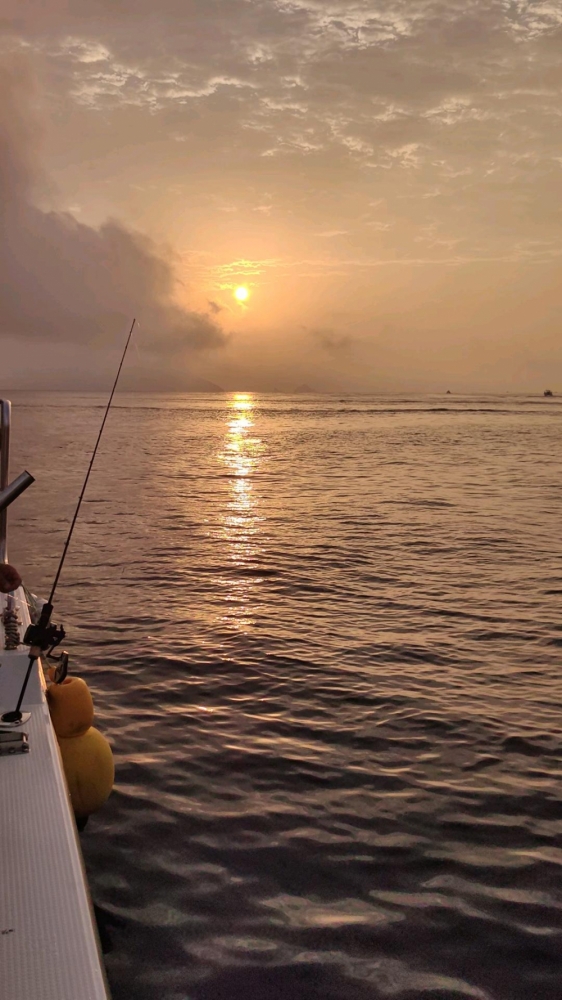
384, 177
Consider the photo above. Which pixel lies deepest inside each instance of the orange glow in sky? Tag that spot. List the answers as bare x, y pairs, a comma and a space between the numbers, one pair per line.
359, 237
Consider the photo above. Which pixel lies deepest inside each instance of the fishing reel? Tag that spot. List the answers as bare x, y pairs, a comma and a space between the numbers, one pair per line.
44, 636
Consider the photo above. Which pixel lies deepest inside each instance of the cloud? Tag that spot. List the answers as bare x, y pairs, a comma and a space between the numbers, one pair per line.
63, 280
373, 155
433, 104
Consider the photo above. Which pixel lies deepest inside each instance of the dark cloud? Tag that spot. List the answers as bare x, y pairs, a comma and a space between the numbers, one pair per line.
66, 281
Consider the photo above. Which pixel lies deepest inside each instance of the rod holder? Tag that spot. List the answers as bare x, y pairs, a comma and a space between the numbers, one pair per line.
15, 489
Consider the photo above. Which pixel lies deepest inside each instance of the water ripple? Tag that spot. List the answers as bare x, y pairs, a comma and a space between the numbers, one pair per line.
323, 637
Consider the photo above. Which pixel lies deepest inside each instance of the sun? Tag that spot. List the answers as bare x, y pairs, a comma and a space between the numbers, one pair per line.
241, 293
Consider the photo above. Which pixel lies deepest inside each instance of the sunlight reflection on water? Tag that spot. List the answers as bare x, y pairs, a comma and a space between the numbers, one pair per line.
241, 453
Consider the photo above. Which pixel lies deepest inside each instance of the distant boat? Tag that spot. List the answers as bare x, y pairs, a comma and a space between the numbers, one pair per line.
548, 392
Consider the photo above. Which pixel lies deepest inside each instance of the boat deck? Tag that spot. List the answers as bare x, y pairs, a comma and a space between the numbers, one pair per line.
49, 948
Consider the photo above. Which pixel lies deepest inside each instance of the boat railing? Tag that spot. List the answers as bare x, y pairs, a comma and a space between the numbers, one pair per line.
5, 420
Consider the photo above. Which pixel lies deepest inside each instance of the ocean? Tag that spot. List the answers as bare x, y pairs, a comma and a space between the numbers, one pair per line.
323, 636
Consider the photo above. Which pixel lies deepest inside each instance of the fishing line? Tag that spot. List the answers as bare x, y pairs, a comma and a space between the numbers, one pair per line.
80, 498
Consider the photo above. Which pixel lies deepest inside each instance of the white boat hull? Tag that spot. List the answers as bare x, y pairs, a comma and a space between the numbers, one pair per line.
49, 948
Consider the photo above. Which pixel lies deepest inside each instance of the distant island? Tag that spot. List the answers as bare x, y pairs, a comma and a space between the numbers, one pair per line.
304, 388
548, 392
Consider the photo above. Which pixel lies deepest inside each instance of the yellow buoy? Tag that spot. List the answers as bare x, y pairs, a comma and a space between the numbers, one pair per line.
70, 706
88, 766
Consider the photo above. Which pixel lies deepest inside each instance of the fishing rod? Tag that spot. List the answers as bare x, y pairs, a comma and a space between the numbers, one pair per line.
44, 635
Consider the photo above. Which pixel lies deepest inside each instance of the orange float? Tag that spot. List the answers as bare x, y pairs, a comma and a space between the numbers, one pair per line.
86, 755
70, 706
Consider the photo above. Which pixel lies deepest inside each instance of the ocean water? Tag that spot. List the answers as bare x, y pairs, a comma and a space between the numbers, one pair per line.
324, 637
